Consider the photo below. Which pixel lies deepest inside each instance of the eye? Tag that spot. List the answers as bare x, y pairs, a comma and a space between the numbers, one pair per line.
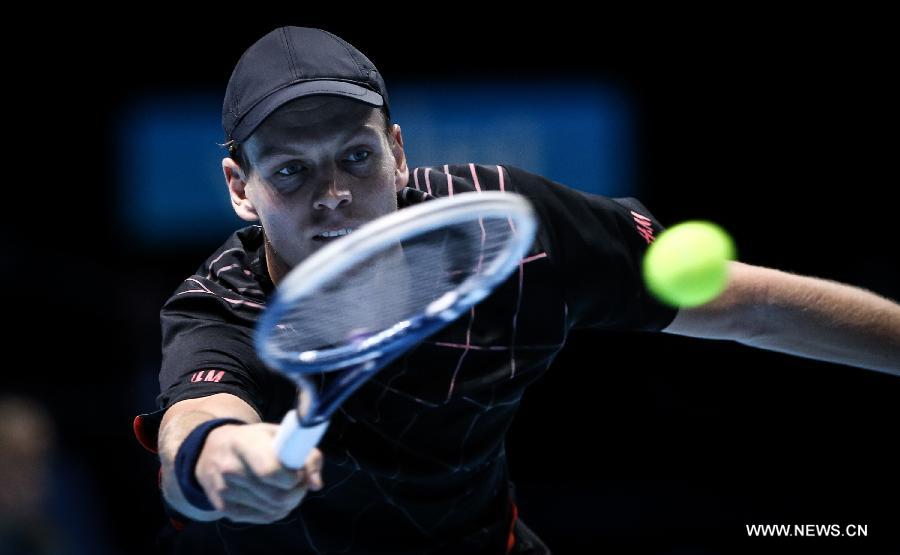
290, 170
359, 156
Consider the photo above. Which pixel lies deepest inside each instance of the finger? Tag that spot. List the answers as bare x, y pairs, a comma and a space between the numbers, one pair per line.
249, 490
213, 486
313, 468
239, 512
267, 469
304, 402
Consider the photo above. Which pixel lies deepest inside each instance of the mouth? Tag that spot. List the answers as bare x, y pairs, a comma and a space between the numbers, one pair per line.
332, 235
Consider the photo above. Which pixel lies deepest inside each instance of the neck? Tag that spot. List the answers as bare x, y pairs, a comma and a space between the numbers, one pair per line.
274, 264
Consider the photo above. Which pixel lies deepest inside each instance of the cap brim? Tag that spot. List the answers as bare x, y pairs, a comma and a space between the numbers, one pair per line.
264, 108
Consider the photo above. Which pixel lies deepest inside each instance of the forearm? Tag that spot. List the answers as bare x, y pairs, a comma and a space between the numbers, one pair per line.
825, 320
178, 422
170, 440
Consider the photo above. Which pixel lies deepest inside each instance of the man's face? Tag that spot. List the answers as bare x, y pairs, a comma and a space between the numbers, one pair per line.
321, 165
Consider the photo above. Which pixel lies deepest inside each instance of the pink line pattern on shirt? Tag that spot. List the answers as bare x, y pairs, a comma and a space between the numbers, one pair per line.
233, 302
474, 177
428, 180
463, 355
449, 180
217, 259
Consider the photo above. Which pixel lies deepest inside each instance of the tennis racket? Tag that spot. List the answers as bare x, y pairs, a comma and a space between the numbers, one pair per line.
365, 299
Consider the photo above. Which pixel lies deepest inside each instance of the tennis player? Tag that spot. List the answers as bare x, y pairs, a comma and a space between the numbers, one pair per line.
414, 462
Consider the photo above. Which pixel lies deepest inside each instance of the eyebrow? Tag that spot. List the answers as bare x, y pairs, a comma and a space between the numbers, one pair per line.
275, 150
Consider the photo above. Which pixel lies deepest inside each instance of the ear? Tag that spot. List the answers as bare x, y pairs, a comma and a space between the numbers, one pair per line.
402, 172
237, 180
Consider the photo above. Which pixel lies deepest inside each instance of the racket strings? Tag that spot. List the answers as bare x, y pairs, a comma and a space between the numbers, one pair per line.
393, 285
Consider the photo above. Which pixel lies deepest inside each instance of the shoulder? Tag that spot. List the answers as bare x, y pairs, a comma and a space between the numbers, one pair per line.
559, 207
450, 179
232, 279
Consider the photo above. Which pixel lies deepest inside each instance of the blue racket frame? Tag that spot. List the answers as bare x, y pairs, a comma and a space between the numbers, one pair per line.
358, 361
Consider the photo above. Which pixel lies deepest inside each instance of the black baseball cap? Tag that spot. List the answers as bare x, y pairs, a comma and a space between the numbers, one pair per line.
291, 62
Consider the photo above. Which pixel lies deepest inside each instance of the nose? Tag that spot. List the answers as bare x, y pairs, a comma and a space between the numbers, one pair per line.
332, 196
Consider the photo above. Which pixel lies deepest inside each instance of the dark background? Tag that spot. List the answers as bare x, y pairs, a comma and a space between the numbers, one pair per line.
780, 127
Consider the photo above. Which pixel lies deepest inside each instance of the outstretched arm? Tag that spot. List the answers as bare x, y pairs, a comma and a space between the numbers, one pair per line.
238, 468
802, 316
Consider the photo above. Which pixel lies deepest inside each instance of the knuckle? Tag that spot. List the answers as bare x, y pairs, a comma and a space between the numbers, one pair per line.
265, 468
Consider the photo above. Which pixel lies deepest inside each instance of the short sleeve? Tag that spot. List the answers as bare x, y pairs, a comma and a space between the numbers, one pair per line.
597, 246
206, 350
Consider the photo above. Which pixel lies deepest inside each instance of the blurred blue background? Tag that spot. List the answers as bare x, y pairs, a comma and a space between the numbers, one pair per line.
580, 133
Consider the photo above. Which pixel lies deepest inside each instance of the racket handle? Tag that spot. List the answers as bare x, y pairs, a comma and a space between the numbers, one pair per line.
294, 442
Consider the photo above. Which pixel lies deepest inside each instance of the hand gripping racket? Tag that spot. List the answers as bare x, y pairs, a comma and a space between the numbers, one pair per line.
363, 300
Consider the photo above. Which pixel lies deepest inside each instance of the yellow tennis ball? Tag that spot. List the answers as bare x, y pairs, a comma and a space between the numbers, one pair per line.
687, 265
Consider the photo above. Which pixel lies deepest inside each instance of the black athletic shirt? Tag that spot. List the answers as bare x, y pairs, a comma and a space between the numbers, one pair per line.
415, 459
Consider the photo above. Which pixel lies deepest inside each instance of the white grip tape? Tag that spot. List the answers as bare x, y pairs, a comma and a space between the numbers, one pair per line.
294, 442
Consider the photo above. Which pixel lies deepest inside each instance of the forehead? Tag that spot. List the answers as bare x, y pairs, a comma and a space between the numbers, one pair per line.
314, 117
